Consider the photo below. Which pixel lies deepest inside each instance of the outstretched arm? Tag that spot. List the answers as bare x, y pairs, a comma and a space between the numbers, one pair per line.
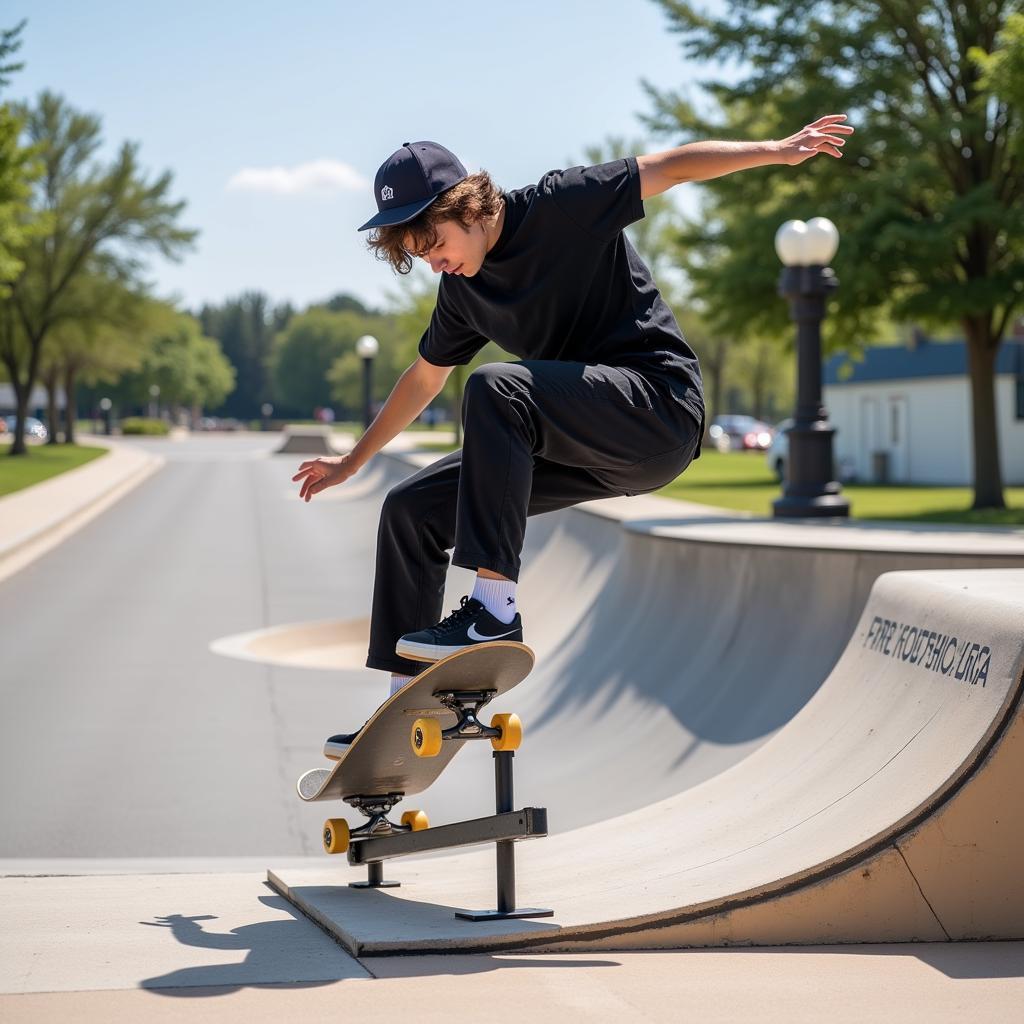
699, 161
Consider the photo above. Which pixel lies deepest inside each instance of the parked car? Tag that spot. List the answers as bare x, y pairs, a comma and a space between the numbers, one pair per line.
778, 451
219, 423
777, 457
34, 429
742, 433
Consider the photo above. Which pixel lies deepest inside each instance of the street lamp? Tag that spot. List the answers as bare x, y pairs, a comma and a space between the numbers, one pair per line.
105, 405
367, 347
266, 410
154, 395
806, 280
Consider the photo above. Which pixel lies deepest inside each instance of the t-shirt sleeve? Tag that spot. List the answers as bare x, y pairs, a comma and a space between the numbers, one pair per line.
602, 199
448, 339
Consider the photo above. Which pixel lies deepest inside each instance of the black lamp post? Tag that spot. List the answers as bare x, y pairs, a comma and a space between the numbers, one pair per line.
809, 489
367, 347
105, 406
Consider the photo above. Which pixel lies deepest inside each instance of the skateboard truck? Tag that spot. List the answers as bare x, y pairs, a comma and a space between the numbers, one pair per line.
466, 706
376, 809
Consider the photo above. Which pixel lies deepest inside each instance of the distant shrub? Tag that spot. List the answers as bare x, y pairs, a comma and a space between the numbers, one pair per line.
142, 425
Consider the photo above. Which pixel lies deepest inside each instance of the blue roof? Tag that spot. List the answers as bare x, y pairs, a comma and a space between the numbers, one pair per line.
929, 359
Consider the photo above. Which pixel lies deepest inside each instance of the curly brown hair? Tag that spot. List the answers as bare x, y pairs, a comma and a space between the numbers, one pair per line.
471, 200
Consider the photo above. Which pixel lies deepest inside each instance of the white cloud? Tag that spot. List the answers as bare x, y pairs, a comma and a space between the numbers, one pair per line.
317, 177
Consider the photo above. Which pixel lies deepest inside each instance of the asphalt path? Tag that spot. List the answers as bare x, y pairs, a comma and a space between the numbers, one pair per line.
121, 733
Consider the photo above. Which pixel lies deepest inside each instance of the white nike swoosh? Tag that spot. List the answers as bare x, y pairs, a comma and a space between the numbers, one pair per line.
474, 635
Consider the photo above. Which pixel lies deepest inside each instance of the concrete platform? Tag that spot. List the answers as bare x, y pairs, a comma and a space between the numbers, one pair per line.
945, 985
86, 933
220, 947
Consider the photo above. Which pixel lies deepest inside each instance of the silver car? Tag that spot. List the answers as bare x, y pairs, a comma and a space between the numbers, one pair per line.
34, 429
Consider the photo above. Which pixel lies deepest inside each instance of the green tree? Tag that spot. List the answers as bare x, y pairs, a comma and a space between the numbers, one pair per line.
18, 169
105, 334
345, 303
304, 352
189, 368
246, 327
927, 196
92, 213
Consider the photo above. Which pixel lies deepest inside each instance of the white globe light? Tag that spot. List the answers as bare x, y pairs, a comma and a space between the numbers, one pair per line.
789, 242
803, 245
821, 241
367, 346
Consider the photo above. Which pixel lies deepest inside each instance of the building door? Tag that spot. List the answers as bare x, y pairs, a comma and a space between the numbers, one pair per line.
898, 441
868, 439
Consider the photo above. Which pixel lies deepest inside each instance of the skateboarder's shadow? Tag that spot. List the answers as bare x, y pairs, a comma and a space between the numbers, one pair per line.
278, 951
282, 952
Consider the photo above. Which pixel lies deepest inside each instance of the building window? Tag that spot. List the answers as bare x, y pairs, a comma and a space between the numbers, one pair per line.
894, 422
1020, 398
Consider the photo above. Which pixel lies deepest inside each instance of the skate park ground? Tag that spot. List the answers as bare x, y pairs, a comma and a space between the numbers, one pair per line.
136, 888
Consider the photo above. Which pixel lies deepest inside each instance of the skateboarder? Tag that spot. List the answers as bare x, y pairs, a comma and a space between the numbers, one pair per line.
604, 397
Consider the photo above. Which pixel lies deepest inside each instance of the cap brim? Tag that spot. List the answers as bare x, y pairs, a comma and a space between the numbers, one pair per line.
397, 215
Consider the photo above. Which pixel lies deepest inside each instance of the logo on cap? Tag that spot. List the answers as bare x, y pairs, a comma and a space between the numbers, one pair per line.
387, 193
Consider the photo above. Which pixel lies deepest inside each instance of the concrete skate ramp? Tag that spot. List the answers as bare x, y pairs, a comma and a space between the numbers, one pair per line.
886, 809
304, 439
668, 649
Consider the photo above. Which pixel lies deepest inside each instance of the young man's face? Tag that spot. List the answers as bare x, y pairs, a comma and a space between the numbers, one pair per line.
458, 250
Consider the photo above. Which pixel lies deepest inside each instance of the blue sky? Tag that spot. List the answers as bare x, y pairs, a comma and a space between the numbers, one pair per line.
273, 117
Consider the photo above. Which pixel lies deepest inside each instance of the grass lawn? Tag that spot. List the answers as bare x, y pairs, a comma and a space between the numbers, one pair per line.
742, 481
354, 427
41, 462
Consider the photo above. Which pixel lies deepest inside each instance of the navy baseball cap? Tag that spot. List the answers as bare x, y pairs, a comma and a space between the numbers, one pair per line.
410, 180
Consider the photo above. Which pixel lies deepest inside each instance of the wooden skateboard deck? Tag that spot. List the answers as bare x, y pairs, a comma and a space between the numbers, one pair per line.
381, 761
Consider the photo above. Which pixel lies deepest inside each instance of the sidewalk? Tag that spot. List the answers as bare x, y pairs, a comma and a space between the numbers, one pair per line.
38, 518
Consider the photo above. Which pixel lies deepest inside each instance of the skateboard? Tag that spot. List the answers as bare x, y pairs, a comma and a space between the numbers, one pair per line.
414, 735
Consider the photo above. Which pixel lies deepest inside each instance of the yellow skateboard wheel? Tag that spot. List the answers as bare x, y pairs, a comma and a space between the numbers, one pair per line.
336, 835
417, 819
511, 732
426, 737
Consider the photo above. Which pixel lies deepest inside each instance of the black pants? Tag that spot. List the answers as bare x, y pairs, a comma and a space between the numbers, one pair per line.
538, 435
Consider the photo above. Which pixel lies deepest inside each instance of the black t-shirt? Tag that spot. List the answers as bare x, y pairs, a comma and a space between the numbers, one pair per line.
564, 282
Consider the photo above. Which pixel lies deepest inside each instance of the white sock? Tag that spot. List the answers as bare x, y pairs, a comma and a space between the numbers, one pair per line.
498, 597
397, 682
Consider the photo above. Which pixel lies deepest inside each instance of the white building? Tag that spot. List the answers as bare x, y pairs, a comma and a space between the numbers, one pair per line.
905, 412
36, 403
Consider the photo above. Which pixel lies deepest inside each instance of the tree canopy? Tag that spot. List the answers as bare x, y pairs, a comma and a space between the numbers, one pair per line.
926, 199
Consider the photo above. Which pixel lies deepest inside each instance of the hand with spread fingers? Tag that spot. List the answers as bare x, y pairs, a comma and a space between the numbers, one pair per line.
319, 474
822, 136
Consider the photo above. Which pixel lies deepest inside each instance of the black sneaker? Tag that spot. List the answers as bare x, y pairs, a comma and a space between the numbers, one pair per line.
470, 624
335, 746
